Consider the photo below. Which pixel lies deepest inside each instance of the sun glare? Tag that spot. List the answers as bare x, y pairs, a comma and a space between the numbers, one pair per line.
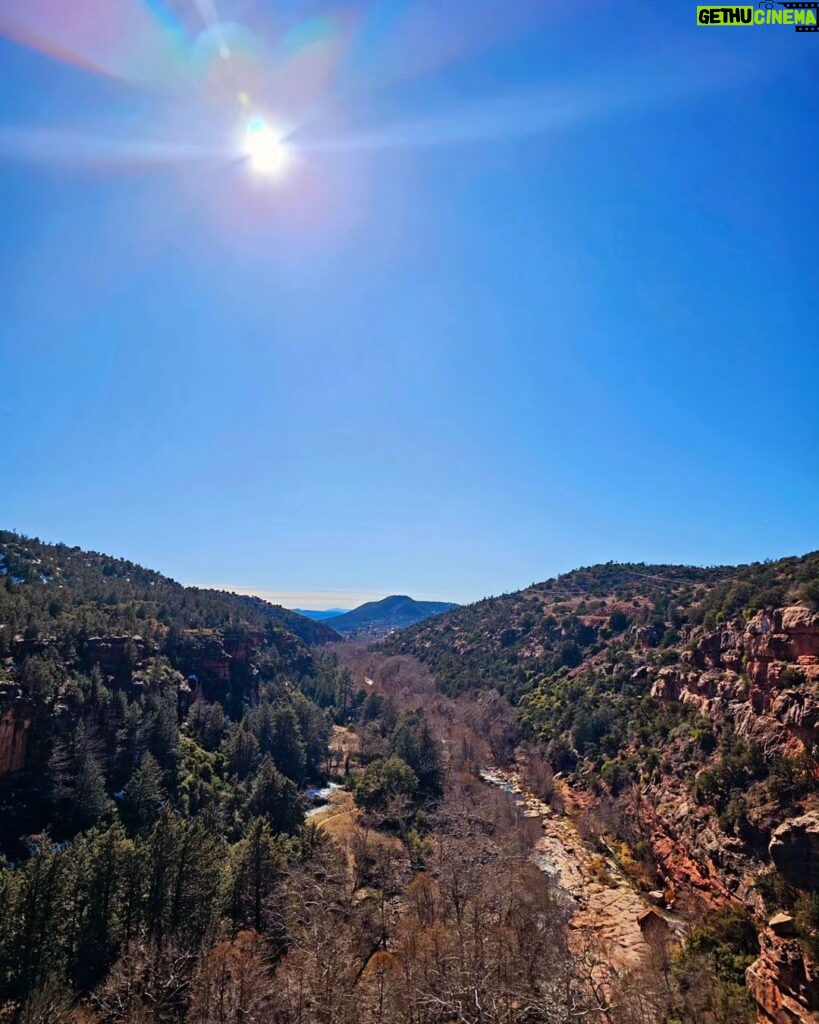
264, 148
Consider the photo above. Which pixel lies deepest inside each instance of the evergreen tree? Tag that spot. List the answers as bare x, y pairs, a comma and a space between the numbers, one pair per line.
257, 862
315, 729
206, 723
275, 797
241, 749
264, 728
144, 795
287, 747
90, 802
162, 727
100, 863
414, 742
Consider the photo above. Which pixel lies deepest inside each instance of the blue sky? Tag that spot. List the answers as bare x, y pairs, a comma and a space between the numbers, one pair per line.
530, 292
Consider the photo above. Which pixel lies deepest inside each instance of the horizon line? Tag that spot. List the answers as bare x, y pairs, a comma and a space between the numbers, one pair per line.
313, 600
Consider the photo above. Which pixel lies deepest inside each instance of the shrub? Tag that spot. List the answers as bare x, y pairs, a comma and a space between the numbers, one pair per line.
383, 780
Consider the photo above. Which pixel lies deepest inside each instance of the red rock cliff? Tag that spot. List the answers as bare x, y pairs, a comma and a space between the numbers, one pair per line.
14, 726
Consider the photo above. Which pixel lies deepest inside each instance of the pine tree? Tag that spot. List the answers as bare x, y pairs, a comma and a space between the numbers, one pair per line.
241, 749
100, 863
257, 863
276, 797
144, 795
287, 747
89, 798
414, 742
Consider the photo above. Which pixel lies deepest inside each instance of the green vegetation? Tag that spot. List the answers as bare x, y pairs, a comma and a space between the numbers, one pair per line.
52, 589
780, 895
167, 735
578, 656
384, 781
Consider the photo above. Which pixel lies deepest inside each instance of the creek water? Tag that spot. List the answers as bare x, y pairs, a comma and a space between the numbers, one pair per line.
319, 798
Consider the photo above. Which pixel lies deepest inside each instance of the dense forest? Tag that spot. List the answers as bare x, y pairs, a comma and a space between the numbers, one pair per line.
70, 592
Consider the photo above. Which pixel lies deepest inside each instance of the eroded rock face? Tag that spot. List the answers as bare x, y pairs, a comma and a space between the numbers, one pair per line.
794, 848
781, 982
114, 654
14, 726
762, 676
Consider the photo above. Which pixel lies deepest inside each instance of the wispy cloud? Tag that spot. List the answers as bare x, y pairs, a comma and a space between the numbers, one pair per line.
534, 111
315, 600
78, 149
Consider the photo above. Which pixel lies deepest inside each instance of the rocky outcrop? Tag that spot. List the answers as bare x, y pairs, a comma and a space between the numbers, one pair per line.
115, 654
694, 859
794, 848
782, 925
204, 659
761, 675
762, 678
14, 726
782, 983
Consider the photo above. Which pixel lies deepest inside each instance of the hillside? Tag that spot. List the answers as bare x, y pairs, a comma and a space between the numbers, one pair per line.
56, 589
375, 618
156, 743
513, 641
683, 703
96, 652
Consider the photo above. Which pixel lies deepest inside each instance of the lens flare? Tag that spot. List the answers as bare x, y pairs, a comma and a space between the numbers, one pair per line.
265, 148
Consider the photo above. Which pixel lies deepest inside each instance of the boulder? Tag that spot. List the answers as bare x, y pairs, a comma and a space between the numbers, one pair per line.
652, 924
782, 925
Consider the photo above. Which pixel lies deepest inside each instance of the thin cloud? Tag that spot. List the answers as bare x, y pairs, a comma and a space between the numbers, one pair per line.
45, 145
314, 600
533, 111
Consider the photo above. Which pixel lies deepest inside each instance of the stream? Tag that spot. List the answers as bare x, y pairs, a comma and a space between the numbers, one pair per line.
320, 799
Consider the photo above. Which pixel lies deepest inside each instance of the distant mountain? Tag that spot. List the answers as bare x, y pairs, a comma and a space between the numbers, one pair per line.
376, 618
320, 616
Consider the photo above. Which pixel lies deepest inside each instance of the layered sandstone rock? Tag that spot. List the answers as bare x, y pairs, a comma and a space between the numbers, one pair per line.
762, 678
762, 675
115, 653
782, 983
14, 726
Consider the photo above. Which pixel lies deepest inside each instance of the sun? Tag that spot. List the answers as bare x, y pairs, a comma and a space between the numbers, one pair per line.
264, 148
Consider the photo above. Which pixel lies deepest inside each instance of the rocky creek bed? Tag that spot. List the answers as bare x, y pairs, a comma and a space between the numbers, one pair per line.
605, 902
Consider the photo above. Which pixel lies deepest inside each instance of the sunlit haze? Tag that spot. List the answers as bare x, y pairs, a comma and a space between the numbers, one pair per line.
264, 147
